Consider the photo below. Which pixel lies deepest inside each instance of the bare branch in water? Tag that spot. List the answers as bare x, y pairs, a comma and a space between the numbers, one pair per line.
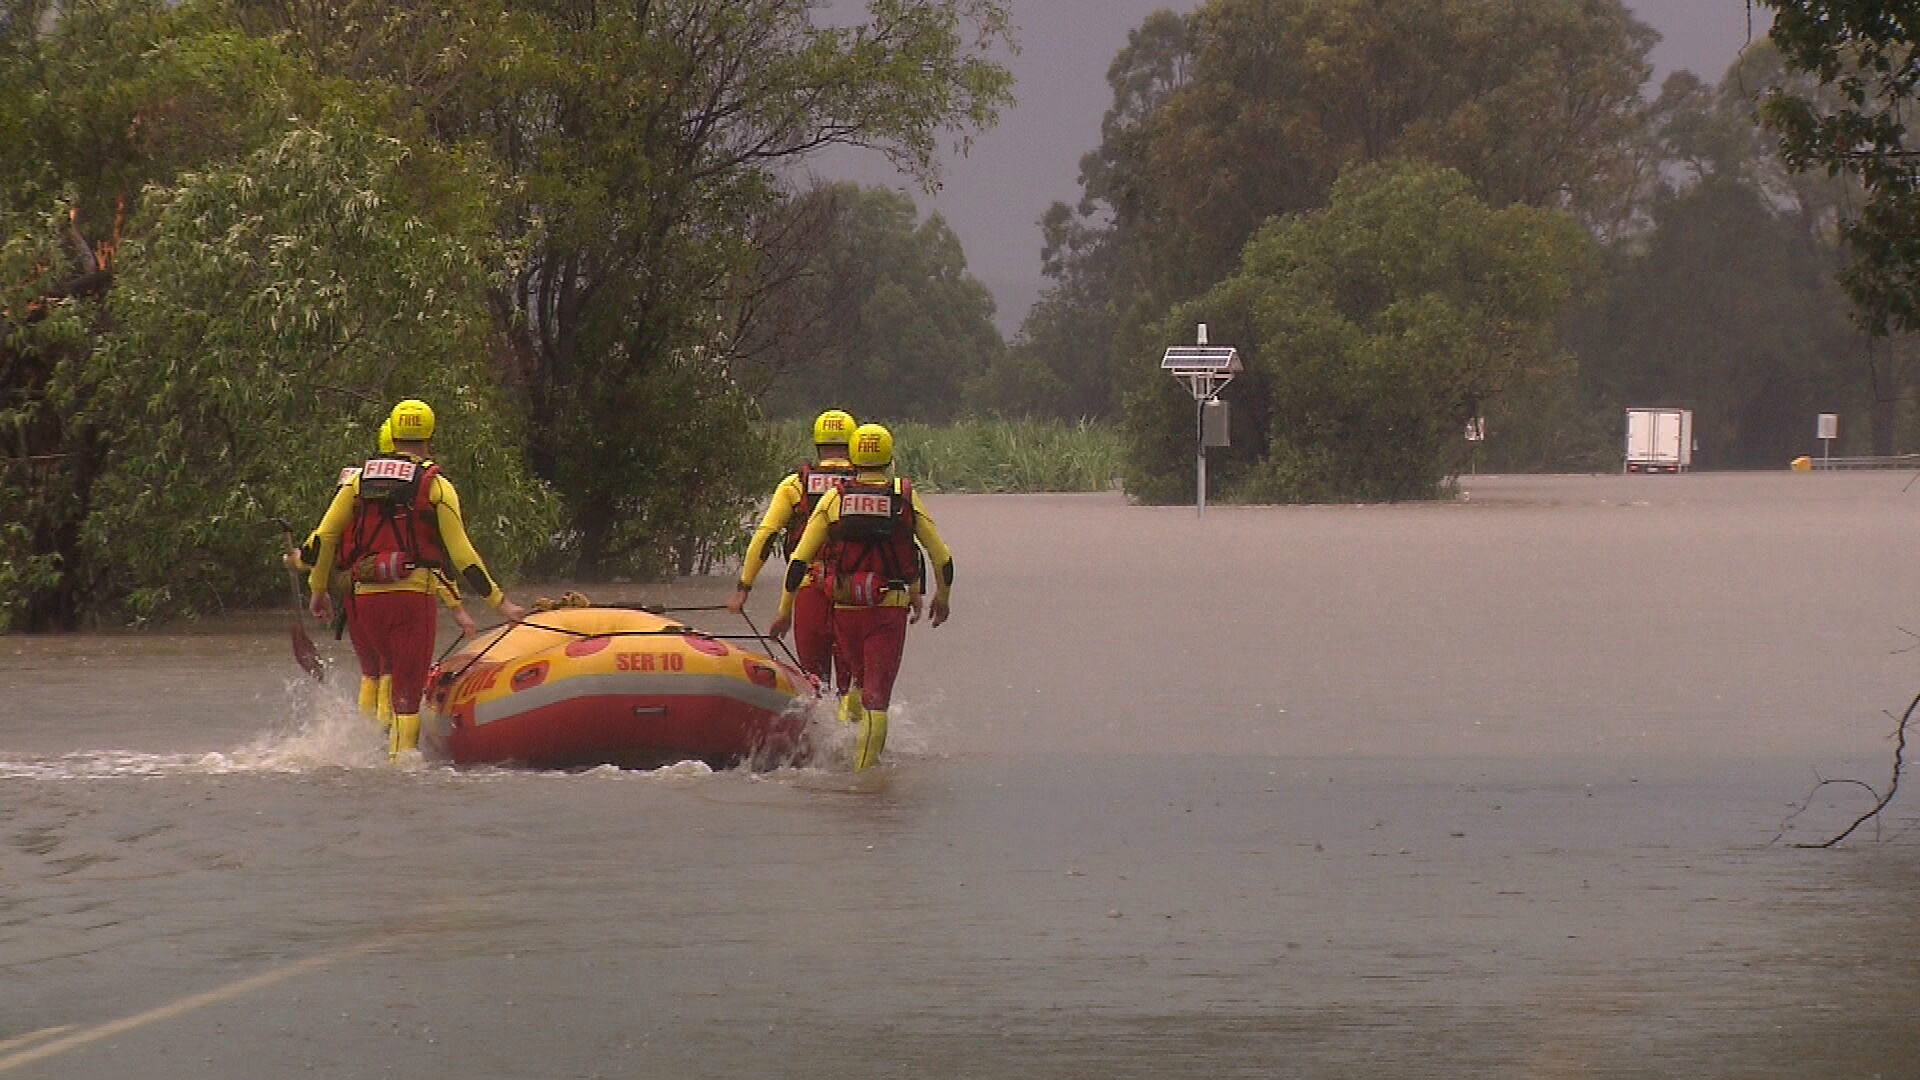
1909, 633
1880, 801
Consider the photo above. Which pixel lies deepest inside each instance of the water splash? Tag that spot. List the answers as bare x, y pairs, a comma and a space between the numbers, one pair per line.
314, 729
912, 732
320, 728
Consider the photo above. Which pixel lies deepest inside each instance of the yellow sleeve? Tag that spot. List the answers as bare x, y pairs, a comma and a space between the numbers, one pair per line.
462, 559
310, 548
940, 559
811, 541
333, 525
780, 508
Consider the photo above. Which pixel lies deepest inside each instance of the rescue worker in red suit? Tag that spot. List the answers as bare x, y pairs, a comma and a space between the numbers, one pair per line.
787, 513
376, 688
865, 535
393, 527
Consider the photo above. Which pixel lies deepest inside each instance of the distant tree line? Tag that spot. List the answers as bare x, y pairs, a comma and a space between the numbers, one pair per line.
1336, 187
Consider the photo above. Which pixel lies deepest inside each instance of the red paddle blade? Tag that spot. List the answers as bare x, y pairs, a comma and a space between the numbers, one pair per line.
306, 654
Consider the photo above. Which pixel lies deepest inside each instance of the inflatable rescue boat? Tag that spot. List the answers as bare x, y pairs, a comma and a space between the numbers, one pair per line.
581, 686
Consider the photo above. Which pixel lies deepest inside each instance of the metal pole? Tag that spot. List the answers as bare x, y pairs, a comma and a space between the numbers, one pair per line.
1200, 453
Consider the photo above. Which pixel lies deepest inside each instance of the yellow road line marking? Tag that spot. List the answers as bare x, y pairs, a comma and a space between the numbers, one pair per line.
172, 1009
32, 1037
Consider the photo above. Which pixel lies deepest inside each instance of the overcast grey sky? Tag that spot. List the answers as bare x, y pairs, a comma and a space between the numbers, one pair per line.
993, 197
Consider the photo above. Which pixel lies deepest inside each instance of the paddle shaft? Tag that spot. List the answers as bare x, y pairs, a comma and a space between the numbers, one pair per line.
305, 653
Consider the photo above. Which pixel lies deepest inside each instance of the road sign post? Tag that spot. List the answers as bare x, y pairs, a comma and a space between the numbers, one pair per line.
1206, 370
1826, 430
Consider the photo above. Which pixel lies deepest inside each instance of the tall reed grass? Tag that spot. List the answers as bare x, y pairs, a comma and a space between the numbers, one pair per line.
994, 455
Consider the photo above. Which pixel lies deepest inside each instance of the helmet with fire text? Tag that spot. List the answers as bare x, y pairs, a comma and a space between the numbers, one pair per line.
872, 447
411, 421
833, 428
386, 437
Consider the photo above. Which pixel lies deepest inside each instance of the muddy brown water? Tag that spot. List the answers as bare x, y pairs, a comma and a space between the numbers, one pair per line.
1482, 789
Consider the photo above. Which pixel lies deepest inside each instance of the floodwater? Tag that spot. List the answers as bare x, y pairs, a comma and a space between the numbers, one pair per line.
1493, 789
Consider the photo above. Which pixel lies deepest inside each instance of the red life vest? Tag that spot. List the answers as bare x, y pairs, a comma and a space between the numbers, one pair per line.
815, 482
394, 514
871, 547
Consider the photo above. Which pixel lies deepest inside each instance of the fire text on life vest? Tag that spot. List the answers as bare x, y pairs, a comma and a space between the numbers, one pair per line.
863, 502
389, 469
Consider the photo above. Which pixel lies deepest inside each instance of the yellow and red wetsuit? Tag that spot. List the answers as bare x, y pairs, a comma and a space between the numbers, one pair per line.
788, 512
375, 685
397, 617
873, 579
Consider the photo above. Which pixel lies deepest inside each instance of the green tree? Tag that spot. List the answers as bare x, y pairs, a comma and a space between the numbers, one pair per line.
104, 97
641, 149
902, 328
332, 260
186, 273
1372, 331
1248, 109
1863, 55
625, 166
49, 462
1527, 98
1058, 367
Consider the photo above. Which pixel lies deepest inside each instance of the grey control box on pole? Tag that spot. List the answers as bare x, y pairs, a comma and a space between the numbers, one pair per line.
1213, 423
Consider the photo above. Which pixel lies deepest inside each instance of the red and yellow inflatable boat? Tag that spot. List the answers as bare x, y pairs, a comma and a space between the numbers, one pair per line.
582, 686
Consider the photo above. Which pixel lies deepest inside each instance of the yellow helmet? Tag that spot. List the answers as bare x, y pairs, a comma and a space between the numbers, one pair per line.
386, 436
872, 447
411, 421
832, 428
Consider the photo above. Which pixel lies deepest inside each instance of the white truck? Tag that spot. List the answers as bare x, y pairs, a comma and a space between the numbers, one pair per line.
1659, 440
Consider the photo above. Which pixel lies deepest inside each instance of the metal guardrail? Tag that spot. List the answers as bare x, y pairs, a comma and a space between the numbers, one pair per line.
1894, 461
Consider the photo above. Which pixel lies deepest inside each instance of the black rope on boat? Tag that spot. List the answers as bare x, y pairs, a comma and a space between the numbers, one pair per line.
757, 636
656, 609
665, 631
475, 658
584, 634
762, 638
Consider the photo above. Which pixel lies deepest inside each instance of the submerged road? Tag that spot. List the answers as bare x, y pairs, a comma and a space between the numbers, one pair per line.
1488, 788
